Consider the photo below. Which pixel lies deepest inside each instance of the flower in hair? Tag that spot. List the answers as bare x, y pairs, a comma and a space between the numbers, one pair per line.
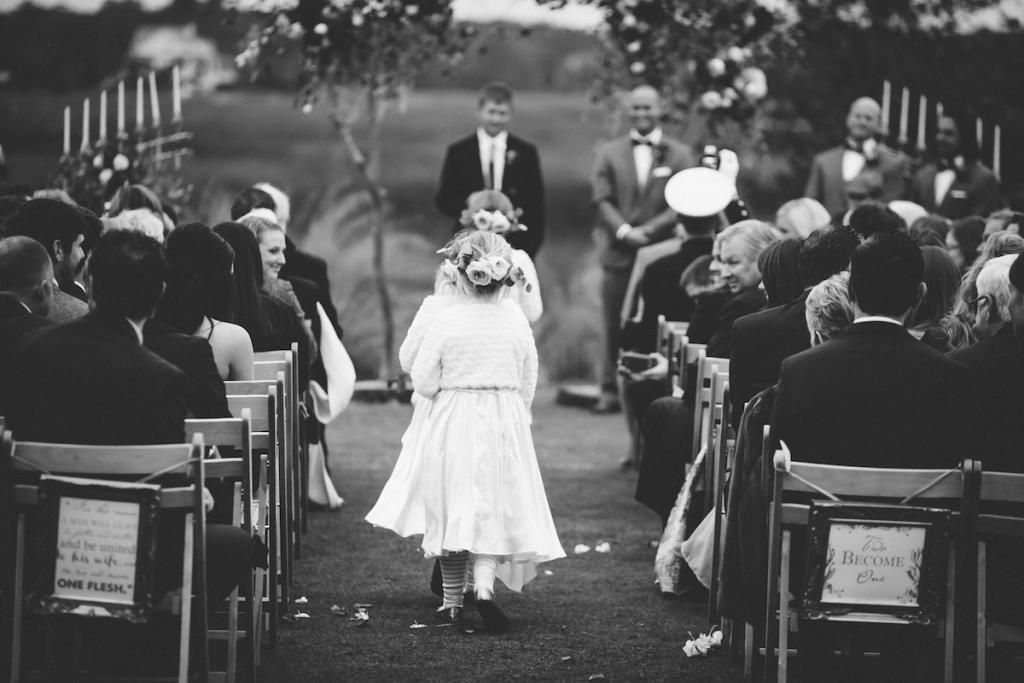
497, 267
492, 221
478, 273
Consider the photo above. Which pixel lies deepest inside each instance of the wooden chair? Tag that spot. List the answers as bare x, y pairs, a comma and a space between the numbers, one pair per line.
750, 634
1000, 488
105, 462
716, 475
292, 459
861, 483
249, 510
706, 370
300, 442
266, 426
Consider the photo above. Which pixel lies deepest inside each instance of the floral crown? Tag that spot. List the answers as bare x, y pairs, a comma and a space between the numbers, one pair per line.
481, 269
496, 221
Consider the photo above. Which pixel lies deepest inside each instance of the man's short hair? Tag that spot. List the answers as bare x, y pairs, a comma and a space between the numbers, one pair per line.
47, 221
495, 91
282, 205
128, 274
886, 274
24, 263
994, 281
249, 199
871, 218
825, 252
1017, 273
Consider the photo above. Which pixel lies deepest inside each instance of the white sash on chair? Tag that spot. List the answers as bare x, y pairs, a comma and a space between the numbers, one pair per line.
341, 374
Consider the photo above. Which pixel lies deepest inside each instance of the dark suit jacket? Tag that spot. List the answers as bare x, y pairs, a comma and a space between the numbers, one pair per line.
301, 264
997, 369
746, 302
614, 180
974, 192
90, 381
194, 357
826, 184
873, 397
662, 294
76, 290
462, 174
15, 323
760, 342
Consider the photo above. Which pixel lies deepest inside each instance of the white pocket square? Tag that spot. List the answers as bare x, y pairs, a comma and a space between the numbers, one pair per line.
661, 172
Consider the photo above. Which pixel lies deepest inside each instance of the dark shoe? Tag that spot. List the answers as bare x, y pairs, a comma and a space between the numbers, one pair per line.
451, 615
607, 404
495, 620
436, 586
469, 598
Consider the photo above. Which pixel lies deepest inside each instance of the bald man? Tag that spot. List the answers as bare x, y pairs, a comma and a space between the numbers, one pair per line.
861, 152
628, 184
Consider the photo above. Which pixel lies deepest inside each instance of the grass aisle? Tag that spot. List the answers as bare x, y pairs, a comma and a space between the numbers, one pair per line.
594, 614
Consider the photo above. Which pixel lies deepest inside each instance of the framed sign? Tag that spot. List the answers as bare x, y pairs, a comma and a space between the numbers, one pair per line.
97, 548
876, 559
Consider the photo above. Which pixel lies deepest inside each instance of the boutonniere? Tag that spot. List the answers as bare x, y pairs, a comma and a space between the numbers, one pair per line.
510, 156
658, 154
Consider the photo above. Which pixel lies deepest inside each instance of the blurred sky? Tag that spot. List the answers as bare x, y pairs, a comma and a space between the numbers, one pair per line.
520, 11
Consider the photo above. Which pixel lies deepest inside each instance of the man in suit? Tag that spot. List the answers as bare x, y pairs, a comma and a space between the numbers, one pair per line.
762, 340
61, 229
861, 152
26, 291
92, 380
628, 192
956, 184
874, 396
494, 159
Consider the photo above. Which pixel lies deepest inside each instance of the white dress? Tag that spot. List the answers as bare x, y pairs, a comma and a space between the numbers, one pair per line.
467, 477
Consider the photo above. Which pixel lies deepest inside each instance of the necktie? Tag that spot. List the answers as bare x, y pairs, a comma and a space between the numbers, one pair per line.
641, 142
491, 171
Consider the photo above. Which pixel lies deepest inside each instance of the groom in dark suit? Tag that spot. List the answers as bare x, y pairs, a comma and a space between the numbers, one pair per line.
493, 158
628, 186
861, 153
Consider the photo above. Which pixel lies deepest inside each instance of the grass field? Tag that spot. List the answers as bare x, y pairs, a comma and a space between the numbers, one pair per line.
242, 137
594, 614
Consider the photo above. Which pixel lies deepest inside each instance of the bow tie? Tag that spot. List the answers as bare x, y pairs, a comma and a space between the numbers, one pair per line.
636, 142
954, 164
854, 146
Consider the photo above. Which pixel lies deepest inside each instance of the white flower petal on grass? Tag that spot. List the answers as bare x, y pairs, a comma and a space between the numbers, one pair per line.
417, 624
690, 649
301, 601
301, 615
603, 547
581, 548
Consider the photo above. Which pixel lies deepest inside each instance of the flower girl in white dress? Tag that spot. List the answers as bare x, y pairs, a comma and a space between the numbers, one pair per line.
467, 478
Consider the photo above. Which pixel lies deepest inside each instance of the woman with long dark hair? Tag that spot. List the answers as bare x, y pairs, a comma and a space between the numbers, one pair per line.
197, 300
271, 324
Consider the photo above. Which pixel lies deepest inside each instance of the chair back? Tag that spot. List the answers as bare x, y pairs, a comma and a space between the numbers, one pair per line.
145, 463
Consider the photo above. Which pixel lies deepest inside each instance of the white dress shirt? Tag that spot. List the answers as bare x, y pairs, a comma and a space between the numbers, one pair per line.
943, 181
643, 155
492, 148
853, 161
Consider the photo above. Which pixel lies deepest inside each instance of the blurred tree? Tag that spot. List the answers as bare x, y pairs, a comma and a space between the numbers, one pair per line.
357, 56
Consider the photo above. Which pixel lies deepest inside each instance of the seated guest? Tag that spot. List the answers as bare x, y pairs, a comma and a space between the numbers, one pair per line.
1006, 220
198, 298
964, 240
762, 340
800, 217
908, 211
299, 293
26, 290
941, 279
993, 289
959, 324
132, 199
735, 254
872, 217
139, 220
298, 263
272, 324
61, 230
930, 230
91, 381
875, 397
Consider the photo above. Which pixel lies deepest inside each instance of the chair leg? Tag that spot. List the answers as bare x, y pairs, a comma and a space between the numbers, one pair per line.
982, 630
950, 615
185, 635
17, 600
784, 608
748, 651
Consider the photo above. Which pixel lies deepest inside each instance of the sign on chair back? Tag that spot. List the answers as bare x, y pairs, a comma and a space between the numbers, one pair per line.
98, 539
888, 560
1004, 526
